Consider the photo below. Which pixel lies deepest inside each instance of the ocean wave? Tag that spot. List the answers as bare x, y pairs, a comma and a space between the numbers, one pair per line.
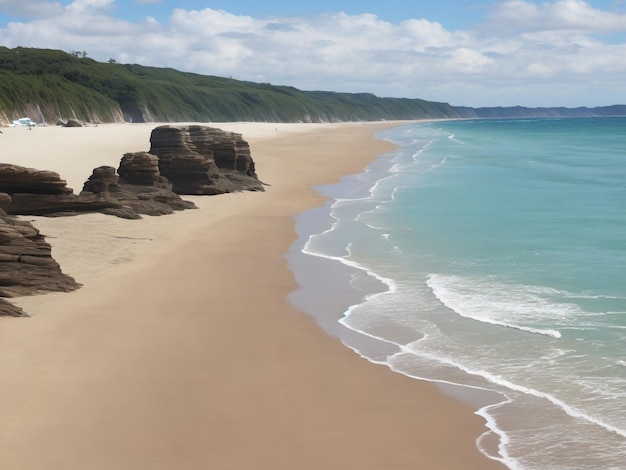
525, 308
483, 411
500, 383
592, 296
570, 410
308, 250
453, 138
507, 384
416, 154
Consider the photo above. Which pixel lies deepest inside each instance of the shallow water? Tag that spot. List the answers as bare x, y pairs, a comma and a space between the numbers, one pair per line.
491, 254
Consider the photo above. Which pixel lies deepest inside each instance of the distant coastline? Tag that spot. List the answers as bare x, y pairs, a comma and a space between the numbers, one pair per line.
51, 86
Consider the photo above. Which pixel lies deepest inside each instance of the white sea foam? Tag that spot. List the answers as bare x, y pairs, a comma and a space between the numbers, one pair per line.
525, 308
422, 150
307, 248
390, 283
393, 192
453, 138
504, 440
501, 381
436, 165
487, 411
484, 412
570, 410
395, 168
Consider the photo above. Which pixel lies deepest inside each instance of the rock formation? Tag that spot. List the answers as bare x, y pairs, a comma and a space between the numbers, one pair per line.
19, 179
26, 263
182, 159
37, 192
140, 175
7, 309
141, 190
204, 160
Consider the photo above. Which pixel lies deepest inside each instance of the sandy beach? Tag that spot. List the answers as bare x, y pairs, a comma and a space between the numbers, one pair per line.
181, 351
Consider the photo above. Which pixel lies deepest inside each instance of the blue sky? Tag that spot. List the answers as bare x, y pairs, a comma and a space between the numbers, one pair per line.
465, 52
453, 13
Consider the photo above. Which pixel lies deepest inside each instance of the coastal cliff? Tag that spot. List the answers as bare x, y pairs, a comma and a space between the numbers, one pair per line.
52, 86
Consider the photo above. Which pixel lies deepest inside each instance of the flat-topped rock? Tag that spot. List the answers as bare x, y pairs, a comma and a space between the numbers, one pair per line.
204, 160
19, 179
139, 168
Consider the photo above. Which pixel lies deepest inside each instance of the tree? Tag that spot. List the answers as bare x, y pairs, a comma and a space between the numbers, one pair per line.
79, 54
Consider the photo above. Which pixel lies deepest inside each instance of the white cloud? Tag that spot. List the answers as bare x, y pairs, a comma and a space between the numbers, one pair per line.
31, 9
563, 15
89, 6
548, 54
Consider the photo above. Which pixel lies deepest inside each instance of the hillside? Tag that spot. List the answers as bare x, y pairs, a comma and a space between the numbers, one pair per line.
560, 112
51, 85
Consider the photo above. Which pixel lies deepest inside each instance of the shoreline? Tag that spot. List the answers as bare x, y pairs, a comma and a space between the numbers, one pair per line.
331, 287
188, 348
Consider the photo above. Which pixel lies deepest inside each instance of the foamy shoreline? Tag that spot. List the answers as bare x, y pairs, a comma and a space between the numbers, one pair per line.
181, 351
332, 286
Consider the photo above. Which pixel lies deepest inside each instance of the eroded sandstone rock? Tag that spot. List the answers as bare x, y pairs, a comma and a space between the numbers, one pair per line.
141, 190
41, 192
19, 179
7, 309
26, 263
204, 160
182, 159
136, 188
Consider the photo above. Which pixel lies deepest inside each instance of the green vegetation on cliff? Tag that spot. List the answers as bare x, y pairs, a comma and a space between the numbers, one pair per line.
54, 85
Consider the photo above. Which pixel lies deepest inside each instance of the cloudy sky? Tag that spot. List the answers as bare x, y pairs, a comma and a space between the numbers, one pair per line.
465, 52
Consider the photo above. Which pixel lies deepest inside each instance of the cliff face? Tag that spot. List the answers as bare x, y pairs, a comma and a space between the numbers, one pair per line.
368, 110
42, 112
49, 85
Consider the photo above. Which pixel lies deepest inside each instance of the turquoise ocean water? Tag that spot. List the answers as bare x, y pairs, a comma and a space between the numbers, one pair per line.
492, 254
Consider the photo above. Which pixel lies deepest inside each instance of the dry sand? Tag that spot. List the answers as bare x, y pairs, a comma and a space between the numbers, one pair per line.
181, 351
